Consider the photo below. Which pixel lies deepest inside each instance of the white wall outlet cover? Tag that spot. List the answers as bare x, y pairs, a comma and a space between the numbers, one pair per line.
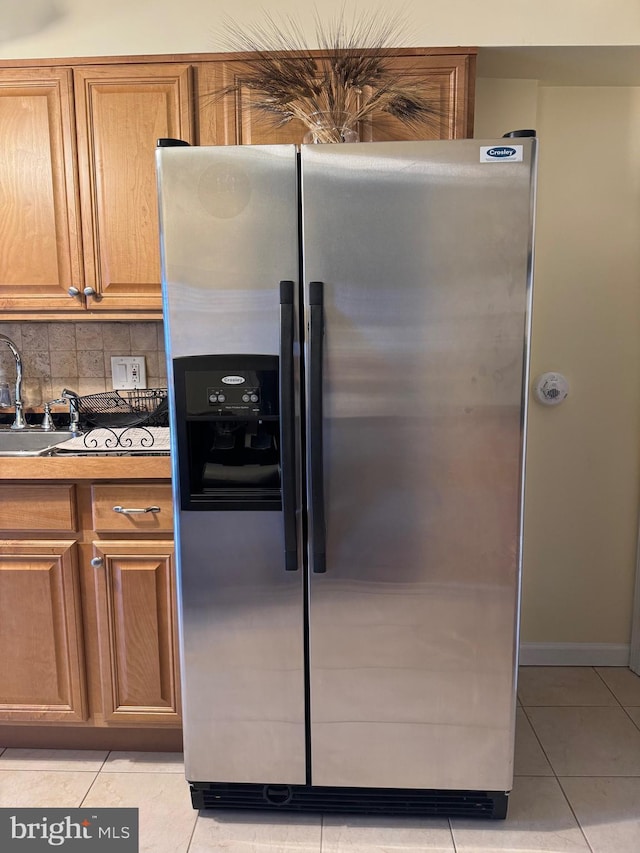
551, 388
128, 372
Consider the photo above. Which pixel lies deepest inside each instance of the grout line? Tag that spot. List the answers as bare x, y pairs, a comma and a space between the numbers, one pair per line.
535, 733
564, 794
453, 838
561, 707
635, 723
321, 831
607, 686
599, 776
556, 777
45, 769
106, 758
89, 789
193, 831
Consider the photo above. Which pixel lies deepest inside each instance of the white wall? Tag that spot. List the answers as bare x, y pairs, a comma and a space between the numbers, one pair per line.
87, 27
583, 459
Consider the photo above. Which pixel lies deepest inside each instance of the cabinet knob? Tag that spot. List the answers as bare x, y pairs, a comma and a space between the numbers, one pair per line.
97, 562
73, 291
89, 291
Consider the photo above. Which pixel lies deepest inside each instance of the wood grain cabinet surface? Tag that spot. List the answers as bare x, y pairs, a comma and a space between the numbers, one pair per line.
80, 220
132, 509
40, 248
121, 111
88, 627
42, 665
80, 237
137, 631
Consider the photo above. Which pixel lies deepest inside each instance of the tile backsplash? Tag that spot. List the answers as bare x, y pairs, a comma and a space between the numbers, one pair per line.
77, 356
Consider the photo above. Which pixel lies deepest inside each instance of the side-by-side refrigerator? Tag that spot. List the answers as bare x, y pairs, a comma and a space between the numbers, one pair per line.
347, 337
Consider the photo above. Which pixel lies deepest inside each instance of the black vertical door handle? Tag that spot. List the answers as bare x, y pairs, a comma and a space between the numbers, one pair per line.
316, 450
287, 427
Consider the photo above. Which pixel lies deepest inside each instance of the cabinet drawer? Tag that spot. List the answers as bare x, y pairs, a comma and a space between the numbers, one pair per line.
38, 508
152, 497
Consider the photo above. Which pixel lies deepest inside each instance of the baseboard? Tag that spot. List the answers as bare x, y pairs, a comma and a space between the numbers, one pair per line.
574, 654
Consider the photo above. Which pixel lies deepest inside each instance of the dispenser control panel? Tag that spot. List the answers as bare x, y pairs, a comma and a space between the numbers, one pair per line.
235, 398
229, 387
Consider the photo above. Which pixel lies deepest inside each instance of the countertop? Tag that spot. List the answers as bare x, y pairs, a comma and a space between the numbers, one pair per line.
85, 468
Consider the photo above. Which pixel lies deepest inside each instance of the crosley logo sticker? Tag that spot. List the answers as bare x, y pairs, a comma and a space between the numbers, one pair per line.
500, 153
233, 380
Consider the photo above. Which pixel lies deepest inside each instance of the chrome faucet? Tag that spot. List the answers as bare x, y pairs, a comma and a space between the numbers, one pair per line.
74, 413
19, 421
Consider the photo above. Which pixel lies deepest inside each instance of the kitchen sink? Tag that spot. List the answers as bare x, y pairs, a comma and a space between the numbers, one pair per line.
30, 442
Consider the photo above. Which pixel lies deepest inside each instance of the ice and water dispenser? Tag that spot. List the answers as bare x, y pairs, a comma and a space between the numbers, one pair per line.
228, 431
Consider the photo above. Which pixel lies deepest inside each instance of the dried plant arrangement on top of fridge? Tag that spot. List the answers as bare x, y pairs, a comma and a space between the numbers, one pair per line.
349, 77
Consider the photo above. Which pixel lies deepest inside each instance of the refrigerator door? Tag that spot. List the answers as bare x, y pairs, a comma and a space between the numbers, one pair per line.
229, 237
417, 264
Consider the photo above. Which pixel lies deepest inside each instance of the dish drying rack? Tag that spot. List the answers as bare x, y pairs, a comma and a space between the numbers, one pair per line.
116, 414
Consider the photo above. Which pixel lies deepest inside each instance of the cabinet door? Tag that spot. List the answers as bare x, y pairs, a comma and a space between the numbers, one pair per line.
448, 82
40, 252
42, 674
121, 111
137, 632
446, 79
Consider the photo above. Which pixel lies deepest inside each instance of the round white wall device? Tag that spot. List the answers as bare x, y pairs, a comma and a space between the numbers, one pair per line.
550, 389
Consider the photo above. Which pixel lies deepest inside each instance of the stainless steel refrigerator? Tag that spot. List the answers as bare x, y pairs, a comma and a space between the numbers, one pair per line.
347, 338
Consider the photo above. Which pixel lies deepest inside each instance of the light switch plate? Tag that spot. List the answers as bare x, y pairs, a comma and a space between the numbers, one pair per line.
128, 371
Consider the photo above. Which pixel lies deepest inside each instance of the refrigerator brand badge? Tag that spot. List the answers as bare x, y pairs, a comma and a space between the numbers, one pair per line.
233, 380
497, 153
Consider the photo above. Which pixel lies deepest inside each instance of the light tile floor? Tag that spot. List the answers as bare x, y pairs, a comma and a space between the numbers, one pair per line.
577, 786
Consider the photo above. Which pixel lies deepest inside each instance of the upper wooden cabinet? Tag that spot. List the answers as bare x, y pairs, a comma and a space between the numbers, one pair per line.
79, 213
40, 249
79, 236
121, 111
445, 76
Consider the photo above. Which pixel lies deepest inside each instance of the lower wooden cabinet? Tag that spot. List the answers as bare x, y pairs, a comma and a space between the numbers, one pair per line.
135, 602
42, 672
88, 631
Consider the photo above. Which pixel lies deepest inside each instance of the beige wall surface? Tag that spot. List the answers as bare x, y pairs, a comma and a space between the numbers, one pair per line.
583, 457
582, 488
51, 28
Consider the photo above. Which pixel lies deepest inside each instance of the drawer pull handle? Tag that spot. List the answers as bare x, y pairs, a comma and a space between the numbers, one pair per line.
132, 510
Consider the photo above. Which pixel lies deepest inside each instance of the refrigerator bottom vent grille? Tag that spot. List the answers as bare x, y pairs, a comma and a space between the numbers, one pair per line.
481, 804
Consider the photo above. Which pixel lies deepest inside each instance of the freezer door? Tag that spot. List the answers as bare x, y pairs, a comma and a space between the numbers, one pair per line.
229, 234
229, 238
242, 650
417, 263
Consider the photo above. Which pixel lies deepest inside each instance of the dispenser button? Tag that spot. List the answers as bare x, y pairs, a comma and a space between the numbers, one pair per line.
213, 398
245, 398
221, 398
254, 398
